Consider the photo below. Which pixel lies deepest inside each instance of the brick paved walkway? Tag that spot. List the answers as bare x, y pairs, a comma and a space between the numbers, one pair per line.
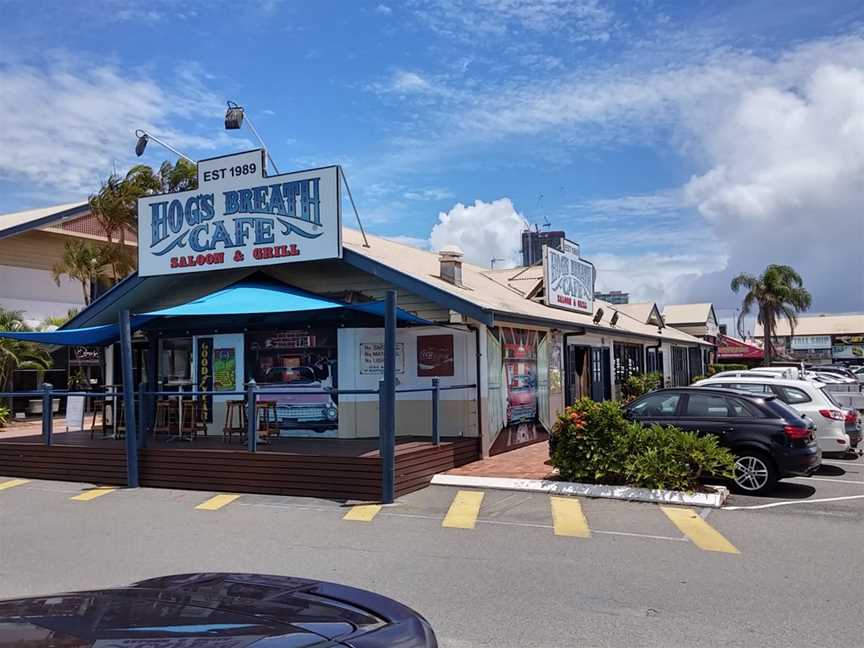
524, 463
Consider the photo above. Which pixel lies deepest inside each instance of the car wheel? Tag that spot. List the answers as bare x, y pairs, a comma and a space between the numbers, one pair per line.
755, 473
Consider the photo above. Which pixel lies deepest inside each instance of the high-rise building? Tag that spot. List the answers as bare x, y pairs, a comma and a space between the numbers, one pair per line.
613, 297
533, 242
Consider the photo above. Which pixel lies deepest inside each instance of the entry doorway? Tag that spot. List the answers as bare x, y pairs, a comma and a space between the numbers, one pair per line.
587, 374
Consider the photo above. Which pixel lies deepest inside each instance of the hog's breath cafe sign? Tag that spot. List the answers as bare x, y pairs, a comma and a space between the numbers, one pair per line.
241, 217
568, 280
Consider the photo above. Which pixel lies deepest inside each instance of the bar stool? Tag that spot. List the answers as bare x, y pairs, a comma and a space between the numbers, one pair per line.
191, 422
100, 405
235, 420
164, 415
268, 422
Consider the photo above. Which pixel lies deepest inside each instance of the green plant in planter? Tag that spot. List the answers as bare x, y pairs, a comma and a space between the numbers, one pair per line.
4, 415
639, 384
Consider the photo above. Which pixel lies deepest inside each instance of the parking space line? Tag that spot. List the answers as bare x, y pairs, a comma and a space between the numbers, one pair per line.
567, 518
362, 513
791, 502
464, 510
12, 483
93, 493
216, 502
702, 534
829, 479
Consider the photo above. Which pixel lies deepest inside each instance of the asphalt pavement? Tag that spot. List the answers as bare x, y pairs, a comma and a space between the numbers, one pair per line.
487, 568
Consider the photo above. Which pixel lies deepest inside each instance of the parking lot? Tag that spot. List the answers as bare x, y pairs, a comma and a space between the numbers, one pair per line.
488, 568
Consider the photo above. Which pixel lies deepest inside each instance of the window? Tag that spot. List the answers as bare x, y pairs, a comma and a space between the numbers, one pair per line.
791, 395
752, 387
705, 406
628, 361
744, 409
680, 375
665, 404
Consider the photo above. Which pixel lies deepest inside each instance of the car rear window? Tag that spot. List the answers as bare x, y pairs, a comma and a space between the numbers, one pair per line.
792, 395
829, 396
782, 410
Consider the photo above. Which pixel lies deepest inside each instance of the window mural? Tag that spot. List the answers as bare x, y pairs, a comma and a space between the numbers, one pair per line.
301, 364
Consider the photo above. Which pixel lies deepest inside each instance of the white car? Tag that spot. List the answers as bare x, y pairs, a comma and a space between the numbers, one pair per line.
837, 429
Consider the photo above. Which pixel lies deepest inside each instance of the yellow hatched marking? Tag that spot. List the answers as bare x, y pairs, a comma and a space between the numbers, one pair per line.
463, 510
702, 534
362, 513
216, 503
568, 519
92, 494
12, 483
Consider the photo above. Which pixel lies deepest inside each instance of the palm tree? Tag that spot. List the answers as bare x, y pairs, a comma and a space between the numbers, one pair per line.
778, 293
82, 261
17, 354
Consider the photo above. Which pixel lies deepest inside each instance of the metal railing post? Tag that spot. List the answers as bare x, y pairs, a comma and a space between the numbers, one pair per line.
436, 394
143, 415
128, 401
388, 477
251, 418
47, 414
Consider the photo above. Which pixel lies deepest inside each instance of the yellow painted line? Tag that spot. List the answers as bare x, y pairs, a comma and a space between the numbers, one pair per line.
216, 503
463, 510
702, 534
93, 494
568, 519
12, 483
362, 513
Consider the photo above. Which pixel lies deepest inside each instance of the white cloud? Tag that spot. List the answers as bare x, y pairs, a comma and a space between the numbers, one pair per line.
407, 82
483, 231
434, 193
383, 9
72, 121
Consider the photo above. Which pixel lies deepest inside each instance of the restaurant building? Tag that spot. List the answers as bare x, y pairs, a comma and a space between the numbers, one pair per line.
257, 279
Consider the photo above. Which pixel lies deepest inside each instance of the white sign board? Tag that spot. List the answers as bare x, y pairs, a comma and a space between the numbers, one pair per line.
808, 342
240, 217
372, 358
75, 412
568, 280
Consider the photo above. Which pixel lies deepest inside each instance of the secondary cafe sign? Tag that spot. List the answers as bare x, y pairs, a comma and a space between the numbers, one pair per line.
241, 217
811, 342
568, 280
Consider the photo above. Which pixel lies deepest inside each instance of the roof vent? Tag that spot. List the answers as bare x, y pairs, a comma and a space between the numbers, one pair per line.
450, 257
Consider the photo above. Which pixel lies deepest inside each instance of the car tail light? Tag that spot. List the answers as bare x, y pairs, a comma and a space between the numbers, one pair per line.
795, 432
834, 415
851, 416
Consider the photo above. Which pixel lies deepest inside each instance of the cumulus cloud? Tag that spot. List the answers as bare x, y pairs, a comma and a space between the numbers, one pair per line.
484, 230
383, 9
72, 122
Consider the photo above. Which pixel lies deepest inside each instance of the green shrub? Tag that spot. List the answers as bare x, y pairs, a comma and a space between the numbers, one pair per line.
593, 442
698, 378
638, 384
717, 367
4, 415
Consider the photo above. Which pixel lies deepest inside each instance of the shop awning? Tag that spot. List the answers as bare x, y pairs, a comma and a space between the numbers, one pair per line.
248, 297
729, 348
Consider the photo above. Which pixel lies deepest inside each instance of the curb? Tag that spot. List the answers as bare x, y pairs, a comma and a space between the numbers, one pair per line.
627, 493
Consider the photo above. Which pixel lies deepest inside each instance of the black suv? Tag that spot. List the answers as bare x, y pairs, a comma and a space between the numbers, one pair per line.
769, 439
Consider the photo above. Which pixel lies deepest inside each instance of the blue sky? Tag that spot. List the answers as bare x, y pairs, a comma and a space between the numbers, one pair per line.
679, 142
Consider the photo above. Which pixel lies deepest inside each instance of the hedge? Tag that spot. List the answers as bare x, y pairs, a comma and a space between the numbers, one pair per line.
717, 367
593, 442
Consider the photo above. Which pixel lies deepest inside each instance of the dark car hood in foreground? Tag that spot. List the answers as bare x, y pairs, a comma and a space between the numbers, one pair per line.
224, 610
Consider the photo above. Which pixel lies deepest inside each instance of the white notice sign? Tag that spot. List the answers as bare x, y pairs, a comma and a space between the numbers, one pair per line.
240, 217
372, 358
75, 412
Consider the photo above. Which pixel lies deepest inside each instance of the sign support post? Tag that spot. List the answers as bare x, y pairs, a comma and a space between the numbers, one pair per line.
388, 401
129, 400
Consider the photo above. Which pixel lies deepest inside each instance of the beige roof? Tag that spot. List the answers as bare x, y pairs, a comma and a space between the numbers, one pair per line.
492, 290
848, 324
686, 314
639, 312
17, 219
524, 279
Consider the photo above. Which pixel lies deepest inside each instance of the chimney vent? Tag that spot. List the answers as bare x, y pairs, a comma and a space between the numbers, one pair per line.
450, 257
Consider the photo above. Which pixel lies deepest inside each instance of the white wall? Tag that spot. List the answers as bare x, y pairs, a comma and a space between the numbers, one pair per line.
34, 293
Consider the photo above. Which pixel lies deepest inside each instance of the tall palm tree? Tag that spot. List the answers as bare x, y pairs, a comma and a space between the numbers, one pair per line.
17, 354
777, 293
82, 261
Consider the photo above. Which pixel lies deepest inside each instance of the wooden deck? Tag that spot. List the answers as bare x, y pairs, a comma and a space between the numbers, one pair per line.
329, 468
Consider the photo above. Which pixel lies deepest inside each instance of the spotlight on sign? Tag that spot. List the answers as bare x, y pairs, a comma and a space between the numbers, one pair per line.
233, 116
142, 142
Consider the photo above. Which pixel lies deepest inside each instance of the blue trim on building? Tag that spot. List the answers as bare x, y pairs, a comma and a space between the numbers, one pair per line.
104, 301
45, 220
416, 286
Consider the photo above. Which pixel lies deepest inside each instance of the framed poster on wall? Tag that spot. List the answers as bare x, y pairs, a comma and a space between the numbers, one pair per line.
435, 356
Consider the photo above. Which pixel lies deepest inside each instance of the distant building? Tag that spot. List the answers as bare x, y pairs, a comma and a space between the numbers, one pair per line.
613, 297
820, 338
533, 242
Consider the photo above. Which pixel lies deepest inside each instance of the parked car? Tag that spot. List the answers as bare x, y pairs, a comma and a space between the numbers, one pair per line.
845, 372
837, 429
769, 439
216, 610
305, 403
763, 372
